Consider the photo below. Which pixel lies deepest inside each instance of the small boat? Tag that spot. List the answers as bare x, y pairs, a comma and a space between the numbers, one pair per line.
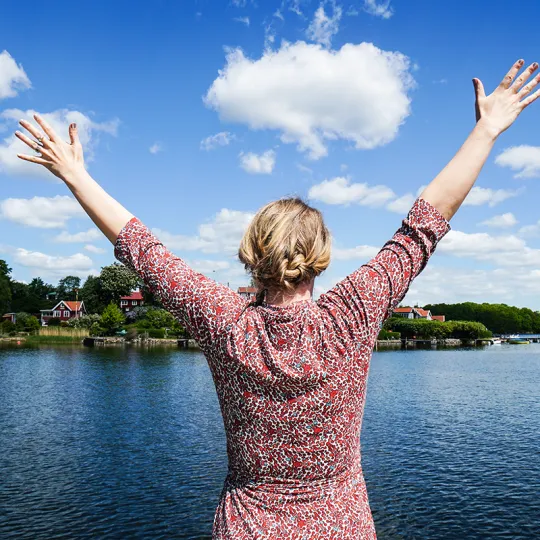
496, 341
518, 341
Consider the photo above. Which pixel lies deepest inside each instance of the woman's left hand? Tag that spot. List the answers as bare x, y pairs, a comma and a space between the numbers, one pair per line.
63, 159
498, 111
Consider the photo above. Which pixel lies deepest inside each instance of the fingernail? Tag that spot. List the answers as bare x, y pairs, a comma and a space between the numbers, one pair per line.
535, 65
521, 61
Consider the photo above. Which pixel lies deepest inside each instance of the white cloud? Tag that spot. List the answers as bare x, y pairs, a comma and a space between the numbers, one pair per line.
223, 138
243, 20
86, 236
310, 95
401, 205
359, 252
339, 190
502, 221
514, 286
323, 27
94, 249
525, 159
222, 234
530, 230
43, 212
304, 169
59, 120
258, 163
77, 265
12, 76
479, 195
378, 9
155, 148
504, 250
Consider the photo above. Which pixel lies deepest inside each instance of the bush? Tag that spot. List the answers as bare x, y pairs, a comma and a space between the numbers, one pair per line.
112, 318
26, 322
387, 334
97, 330
424, 329
131, 334
54, 321
158, 333
7, 327
84, 321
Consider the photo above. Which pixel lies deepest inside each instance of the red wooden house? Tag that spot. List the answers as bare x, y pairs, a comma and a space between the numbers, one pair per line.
135, 299
249, 293
64, 310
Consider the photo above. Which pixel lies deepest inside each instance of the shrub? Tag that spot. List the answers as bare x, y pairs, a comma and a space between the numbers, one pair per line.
7, 327
54, 321
97, 330
156, 333
112, 318
387, 334
84, 321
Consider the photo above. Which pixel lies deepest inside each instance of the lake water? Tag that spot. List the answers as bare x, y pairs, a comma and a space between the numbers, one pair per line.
115, 443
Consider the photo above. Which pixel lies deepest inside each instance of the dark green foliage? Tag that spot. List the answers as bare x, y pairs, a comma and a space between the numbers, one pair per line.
54, 321
112, 318
7, 327
158, 333
499, 318
424, 329
67, 288
387, 334
26, 322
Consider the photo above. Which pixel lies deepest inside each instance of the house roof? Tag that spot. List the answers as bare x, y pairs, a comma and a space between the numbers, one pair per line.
441, 318
70, 304
423, 312
249, 290
403, 310
137, 295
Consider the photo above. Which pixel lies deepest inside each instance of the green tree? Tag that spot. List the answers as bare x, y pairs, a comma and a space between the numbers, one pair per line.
26, 322
67, 287
117, 280
5, 287
92, 294
112, 318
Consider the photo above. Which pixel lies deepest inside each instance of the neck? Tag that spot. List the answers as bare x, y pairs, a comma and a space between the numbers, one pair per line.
278, 297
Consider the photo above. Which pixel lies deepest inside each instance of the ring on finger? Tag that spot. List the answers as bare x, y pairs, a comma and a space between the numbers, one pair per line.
37, 148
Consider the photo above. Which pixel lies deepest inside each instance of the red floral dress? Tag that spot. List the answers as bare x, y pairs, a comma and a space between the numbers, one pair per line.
291, 382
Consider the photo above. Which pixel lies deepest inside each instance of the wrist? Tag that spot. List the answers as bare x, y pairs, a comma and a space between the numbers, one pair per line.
484, 130
75, 176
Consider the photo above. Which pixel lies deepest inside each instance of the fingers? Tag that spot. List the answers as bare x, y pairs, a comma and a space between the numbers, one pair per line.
34, 159
510, 76
35, 132
31, 143
527, 89
527, 101
479, 89
522, 79
46, 128
73, 134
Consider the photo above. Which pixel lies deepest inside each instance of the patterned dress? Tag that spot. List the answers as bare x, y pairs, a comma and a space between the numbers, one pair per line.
291, 382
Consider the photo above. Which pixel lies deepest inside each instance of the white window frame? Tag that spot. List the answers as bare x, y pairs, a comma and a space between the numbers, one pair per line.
57, 313
134, 302
123, 303
66, 313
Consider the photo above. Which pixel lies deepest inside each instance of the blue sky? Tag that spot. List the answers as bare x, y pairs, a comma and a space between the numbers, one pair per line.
196, 113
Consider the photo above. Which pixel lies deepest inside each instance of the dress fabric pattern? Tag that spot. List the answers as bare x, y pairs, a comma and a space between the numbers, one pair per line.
291, 382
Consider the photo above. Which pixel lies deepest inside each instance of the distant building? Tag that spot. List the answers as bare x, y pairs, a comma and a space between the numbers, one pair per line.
249, 293
135, 299
64, 310
441, 318
12, 317
416, 313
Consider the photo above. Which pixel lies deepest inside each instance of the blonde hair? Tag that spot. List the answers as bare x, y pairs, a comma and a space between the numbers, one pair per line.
286, 244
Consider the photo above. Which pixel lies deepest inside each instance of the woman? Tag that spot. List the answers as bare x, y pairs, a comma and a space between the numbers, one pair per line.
291, 373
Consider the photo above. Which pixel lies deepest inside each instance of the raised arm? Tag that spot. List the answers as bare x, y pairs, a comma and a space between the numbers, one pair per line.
202, 305
366, 297
65, 160
494, 114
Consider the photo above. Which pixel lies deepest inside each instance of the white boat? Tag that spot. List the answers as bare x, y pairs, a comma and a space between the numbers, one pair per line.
496, 341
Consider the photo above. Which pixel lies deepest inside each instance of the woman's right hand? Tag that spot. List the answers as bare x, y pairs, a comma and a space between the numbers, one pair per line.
64, 160
498, 111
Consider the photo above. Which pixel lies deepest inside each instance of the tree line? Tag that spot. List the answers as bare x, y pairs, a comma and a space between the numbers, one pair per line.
424, 329
499, 318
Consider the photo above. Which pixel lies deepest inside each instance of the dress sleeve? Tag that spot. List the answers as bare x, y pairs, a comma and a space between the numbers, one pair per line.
365, 298
202, 305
